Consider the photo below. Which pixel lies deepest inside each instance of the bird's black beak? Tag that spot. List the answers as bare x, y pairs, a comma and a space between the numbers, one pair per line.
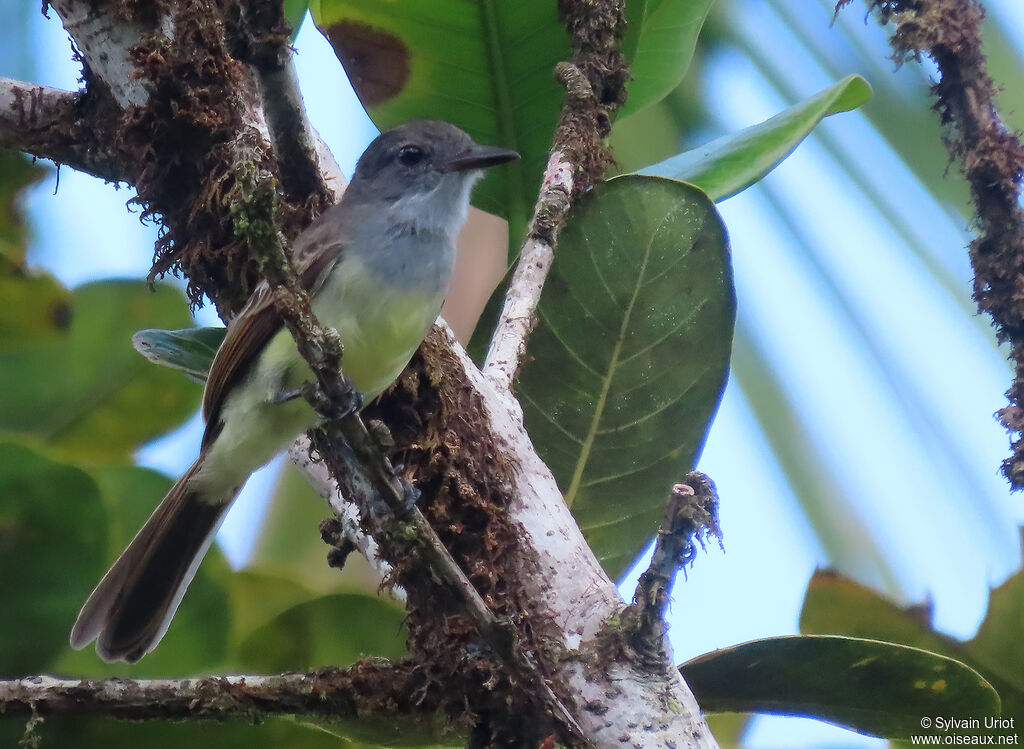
479, 157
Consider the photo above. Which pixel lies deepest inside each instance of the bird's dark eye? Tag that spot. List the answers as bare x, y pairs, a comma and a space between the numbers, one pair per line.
411, 155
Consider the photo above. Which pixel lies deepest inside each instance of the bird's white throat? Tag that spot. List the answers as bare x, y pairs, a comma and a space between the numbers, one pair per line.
441, 210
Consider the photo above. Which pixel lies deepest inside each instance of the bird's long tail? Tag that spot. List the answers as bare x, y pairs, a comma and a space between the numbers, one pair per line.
132, 606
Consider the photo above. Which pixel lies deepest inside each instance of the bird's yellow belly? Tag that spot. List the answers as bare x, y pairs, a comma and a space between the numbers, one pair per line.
380, 330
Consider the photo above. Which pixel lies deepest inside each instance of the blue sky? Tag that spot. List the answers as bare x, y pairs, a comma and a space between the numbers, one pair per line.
855, 391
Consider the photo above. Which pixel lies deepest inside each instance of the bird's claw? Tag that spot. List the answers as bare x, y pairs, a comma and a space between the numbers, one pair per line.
287, 394
347, 401
410, 495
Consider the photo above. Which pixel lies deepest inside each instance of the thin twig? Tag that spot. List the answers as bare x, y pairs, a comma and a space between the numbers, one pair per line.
594, 89
366, 688
691, 516
518, 313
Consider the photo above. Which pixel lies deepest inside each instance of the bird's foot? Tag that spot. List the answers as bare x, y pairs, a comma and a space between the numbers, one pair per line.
410, 494
346, 400
287, 394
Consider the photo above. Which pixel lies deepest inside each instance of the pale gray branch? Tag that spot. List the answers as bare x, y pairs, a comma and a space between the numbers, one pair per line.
365, 689
105, 41
42, 121
519, 312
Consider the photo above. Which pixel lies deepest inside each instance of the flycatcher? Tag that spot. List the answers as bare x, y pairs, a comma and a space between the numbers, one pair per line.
377, 267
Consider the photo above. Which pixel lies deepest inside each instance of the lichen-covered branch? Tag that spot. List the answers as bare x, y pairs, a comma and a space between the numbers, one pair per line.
367, 688
594, 88
992, 160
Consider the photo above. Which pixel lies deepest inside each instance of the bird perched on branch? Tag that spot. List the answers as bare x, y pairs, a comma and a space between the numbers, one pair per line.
377, 268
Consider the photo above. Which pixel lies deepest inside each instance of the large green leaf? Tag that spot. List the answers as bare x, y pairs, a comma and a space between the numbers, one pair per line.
485, 66
53, 544
87, 392
838, 605
630, 356
332, 630
732, 163
256, 597
873, 687
659, 42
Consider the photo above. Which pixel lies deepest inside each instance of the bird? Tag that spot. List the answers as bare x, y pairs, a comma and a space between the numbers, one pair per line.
377, 266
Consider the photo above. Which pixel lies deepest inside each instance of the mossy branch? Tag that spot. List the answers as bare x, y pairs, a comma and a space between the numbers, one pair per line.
991, 159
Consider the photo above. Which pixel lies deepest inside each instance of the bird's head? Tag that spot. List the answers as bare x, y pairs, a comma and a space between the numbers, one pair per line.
424, 171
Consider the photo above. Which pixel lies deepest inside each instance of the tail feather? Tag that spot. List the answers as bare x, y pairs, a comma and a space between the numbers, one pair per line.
132, 606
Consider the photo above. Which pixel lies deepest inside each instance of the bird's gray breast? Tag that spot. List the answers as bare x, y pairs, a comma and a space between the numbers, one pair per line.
404, 256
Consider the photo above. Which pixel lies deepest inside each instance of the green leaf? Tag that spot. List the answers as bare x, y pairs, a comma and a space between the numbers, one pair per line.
35, 307
53, 543
256, 597
873, 687
732, 163
331, 630
728, 728
190, 350
835, 604
997, 646
17, 171
87, 392
486, 67
838, 605
630, 355
295, 14
659, 42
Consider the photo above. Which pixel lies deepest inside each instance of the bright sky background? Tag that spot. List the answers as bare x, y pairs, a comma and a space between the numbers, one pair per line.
910, 495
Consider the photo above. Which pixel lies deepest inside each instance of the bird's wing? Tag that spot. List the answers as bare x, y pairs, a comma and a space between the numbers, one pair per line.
315, 251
